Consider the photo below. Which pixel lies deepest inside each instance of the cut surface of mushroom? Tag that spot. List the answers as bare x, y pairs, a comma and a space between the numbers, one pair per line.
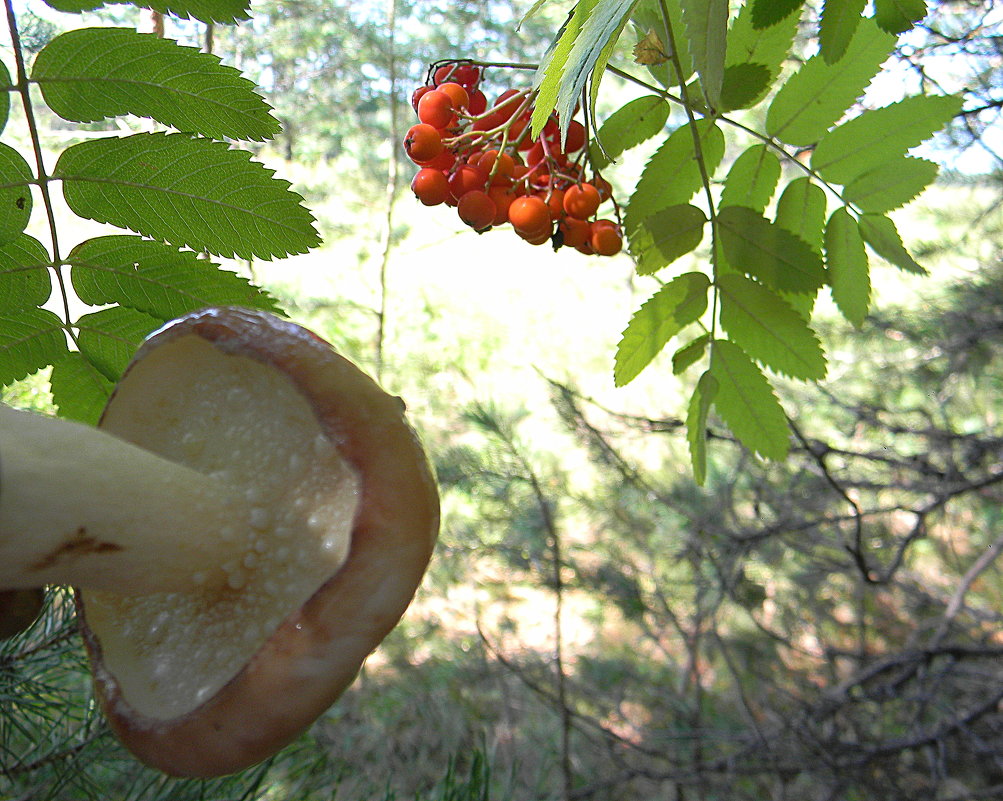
246, 425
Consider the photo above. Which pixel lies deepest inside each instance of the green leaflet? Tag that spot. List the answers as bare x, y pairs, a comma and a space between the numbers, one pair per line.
30, 339
897, 16
879, 135
16, 178
752, 179
672, 176
79, 390
754, 245
647, 17
155, 278
849, 276
696, 424
819, 93
746, 403
590, 55
190, 192
92, 74
224, 11
550, 75
109, 338
677, 304
743, 85
839, 21
801, 210
689, 354
766, 46
769, 330
24, 274
706, 23
769, 12
5, 84
890, 185
881, 234
628, 126
665, 236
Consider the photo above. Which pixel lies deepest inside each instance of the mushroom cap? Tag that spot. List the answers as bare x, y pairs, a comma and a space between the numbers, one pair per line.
301, 666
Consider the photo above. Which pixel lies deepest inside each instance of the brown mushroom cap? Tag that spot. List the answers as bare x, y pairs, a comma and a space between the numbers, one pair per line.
298, 660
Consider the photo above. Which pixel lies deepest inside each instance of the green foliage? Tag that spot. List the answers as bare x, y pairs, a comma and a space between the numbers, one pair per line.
782, 227
183, 192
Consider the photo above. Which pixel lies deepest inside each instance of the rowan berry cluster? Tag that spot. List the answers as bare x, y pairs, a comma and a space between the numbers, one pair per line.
480, 157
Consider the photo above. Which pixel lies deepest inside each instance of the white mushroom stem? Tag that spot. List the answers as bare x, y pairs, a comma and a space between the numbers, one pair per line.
79, 506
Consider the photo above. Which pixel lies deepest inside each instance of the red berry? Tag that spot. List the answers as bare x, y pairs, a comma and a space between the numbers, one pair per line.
477, 210
435, 108
456, 93
430, 186
418, 93
467, 178
529, 215
581, 201
605, 238
422, 143
576, 137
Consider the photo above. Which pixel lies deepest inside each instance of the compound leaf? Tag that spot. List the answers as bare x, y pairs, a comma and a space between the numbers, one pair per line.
550, 75
746, 403
764, 46
79, 390
156, 278
628, 126
16, 178
677, 304
24, 274
819, 93
752, 179
876, 136
778, 258
689, 354
837, 26
223, 11
768, 329
665, 236
190, 192
91, 74
30, 339
890, 185
881, 234
849, 276
801, 210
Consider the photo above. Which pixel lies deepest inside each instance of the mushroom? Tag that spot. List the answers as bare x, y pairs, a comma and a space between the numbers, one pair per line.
250, 521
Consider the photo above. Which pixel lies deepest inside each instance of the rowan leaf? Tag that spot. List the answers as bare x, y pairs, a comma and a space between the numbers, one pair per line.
801, 210
550, 74
696, 424
665, 236
879, 135
752, 179
890, 185
16, 178
769, 330
6, 84
746, 403
79, 390
672, 175
706, 23
769, 12
628, 126
109, 338
24, 274
766, 46
778, 258
881, 234
819, 93
689, 354
849, 274
898, 16
30, 339
674, 306
190, 192
156, 278
223, 11
838, 23
91, 74
648, 18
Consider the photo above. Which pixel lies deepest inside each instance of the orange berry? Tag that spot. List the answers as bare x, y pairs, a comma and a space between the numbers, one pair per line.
529, 215
418, 94
477, 210
456, 93
435, 108
422, 143
603, 186
581, 201
537, 239
576, 137
502, 197
574, 232
478, 103
467, 178
430, 186
555, 203
605, 238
